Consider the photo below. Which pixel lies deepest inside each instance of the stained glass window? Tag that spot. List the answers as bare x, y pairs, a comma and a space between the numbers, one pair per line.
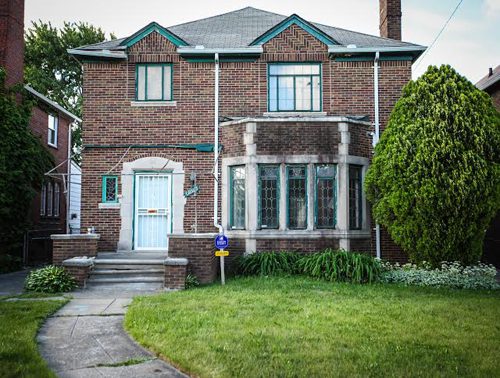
355, 197
326, 201
237, 200
269, 196
297, 197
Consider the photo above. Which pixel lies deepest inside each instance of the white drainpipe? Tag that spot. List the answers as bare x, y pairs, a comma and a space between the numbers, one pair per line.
216, 147
68, 190
376, 138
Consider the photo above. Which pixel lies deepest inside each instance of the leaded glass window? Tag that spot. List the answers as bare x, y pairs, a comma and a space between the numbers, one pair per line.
237, 200
43, 199
269, 196
294, 87
50, 198
355, 197
110, 189
326, 201
297, 197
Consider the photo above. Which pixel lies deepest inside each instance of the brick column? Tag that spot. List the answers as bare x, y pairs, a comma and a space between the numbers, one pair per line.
79, 269
175, 273
66, 246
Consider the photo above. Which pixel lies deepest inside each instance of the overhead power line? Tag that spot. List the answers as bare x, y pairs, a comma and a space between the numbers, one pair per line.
439, 34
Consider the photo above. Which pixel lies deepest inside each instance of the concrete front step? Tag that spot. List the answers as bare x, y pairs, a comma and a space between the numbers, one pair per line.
99, 261
127, 271
94, 280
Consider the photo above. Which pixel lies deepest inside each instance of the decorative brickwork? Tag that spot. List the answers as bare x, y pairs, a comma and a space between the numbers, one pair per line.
296, 245
175, 273
200, 253
73, 245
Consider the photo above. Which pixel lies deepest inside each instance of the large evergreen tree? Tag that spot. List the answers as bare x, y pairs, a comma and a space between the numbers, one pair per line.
51, 70
435, 178
23, 162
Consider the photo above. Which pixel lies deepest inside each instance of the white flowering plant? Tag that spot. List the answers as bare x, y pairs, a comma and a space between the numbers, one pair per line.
448, 274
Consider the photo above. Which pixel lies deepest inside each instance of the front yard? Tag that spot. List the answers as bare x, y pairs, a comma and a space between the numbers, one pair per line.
301, 327
19, 323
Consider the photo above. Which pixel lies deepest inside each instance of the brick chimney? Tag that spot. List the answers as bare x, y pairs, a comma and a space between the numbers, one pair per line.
12, 39
390, 19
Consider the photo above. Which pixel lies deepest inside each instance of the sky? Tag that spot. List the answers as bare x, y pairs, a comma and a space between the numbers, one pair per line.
470, 43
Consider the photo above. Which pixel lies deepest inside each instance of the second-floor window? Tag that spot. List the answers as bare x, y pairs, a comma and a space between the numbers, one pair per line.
52, 130
294, 87
153, 82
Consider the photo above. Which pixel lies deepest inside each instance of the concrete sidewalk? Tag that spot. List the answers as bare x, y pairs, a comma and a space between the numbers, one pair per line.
85, 338
13, 283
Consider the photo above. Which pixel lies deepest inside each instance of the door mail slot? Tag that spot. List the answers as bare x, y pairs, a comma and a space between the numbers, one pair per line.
152, 211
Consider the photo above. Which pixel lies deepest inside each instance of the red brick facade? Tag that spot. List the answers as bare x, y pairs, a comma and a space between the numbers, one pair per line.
112, 118
12, 39
69, 246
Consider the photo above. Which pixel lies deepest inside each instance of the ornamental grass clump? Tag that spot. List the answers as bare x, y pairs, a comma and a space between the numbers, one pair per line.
51, 279
268, 263
341, 266
449, 275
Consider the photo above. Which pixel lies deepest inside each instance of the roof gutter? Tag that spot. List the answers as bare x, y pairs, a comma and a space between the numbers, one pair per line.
332, 49
98, 54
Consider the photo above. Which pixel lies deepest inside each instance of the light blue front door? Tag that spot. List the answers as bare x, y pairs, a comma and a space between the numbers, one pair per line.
152, 211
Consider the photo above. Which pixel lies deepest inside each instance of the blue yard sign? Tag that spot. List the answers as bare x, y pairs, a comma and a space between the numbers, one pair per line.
221, 241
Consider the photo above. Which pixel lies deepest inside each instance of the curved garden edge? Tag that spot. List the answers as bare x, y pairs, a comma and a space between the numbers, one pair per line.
295, 325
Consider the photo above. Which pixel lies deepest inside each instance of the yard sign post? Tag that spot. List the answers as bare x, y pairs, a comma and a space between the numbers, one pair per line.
221, 242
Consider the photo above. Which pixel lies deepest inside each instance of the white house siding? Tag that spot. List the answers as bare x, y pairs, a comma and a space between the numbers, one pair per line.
75, 198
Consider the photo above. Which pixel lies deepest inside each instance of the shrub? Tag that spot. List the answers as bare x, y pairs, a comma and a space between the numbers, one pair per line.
450, 275
51, 279
9, 263
191, 281
268, 263
341, 266
435, 177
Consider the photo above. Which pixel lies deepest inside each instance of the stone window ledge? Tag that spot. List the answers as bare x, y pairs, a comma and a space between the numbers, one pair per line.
104, 205
294, 114
153, 103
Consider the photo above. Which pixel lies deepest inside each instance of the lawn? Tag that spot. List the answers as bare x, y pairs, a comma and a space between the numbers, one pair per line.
19, 323
256, 327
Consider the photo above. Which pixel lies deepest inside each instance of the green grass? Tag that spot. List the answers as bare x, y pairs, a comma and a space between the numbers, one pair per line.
19, 323
290, 326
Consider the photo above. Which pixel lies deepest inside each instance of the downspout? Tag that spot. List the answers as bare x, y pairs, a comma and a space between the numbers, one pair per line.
216, 147
68, 191
376, 138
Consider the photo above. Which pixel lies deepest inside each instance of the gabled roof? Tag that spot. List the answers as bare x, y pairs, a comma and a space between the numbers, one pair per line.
489, 80
54, 105
150, 28
244, 27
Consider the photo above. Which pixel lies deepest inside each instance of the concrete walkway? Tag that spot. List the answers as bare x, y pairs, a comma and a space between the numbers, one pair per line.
13, 283
85, 338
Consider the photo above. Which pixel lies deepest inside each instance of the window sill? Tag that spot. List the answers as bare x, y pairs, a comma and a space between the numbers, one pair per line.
52, 145
114, 205
294, 114
153, 103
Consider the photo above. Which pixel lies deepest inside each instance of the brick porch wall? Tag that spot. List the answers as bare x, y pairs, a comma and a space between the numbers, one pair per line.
200, 253
66, 246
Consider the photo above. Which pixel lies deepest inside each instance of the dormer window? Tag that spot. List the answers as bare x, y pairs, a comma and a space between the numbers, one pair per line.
153, 82
294, 87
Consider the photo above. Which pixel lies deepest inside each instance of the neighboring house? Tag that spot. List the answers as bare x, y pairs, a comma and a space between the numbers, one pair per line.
75, 199
294, 104
491, 85
51, 123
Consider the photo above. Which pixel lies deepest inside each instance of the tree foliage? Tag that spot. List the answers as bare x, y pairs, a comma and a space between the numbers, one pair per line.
435, 178
23, 162
51, 70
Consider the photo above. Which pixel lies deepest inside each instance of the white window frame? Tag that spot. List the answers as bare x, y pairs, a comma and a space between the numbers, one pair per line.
43, 199
50, 199
57, 199
53, 128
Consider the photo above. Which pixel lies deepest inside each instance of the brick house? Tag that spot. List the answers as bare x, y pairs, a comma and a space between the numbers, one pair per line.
249, 122
51, 123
